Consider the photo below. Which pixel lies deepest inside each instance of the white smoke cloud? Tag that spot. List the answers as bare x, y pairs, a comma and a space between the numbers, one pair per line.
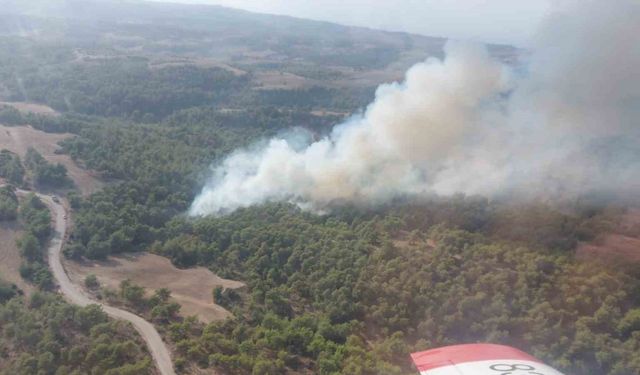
469, 124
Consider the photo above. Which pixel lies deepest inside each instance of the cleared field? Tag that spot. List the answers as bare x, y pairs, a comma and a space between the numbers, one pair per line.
272, 80
31, 108
623, 243
18, 139
202, 62
10, 255
192, 288
612, 246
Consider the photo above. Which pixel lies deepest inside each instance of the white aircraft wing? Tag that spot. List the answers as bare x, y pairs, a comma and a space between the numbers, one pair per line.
479, 359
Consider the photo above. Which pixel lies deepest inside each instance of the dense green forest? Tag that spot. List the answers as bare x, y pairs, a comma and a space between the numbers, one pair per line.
11, 167
160, 168
10, 115
8, 203
43, 172
346, 293
42, 334
357, 290
8, 291
129, 88
133, 90
35, 216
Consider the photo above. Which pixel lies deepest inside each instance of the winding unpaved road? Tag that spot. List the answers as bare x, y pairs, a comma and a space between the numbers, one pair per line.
75, 295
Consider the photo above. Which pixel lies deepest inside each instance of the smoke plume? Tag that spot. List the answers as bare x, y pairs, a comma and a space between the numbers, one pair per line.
564, 122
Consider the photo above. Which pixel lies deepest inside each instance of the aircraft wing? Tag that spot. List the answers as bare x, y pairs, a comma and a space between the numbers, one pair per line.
479, 359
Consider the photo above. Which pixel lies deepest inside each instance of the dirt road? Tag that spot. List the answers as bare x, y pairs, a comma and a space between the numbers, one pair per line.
74, 294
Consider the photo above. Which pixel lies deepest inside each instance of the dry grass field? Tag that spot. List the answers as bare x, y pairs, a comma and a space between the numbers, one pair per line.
622, 243
32, 108
192, 288
272, 80
202, 62
18, 139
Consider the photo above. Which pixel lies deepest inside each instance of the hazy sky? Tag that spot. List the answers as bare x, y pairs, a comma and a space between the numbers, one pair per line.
507, 21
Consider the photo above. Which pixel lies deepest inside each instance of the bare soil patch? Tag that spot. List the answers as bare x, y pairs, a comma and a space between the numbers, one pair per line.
612, 246
273, 80
192, 288
18, 139
200, 62
322, 113
39, 109
622, 243
405, 240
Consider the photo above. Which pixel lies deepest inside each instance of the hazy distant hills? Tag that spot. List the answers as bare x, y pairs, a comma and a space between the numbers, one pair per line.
319, 52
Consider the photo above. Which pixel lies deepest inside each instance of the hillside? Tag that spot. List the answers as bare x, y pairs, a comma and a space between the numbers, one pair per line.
271, 54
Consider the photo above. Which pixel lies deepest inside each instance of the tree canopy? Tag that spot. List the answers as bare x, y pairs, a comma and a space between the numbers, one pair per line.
44, 335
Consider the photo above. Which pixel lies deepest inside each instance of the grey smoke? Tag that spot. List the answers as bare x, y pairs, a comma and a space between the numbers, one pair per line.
565, 123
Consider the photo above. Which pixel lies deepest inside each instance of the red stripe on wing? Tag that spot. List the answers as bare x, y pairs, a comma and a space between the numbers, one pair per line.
456, 354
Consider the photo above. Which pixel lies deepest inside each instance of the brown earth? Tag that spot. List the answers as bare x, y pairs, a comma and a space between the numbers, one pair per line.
623, 242
39, 109
322, 113
192, 288
273, 80
18, 139
201, 62
405, 239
